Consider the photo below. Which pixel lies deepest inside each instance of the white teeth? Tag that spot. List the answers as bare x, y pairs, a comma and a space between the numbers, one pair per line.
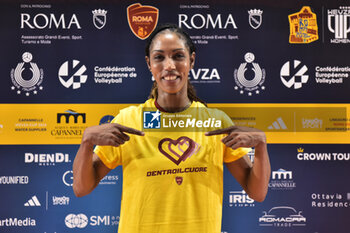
168, 78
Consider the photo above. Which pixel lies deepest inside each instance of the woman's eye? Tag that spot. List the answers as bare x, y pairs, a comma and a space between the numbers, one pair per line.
179, 56
158, 57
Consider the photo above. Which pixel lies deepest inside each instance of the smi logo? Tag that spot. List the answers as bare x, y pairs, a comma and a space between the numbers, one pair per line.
44, 21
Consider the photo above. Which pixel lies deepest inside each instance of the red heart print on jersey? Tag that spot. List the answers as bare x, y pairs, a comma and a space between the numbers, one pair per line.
181, 154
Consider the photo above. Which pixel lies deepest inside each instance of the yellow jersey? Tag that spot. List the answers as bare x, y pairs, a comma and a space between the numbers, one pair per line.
173, 175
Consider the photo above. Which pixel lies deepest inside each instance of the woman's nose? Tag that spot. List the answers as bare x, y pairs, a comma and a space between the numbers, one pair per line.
169, 64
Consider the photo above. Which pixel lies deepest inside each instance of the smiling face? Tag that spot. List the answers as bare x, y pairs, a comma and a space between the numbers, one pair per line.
170, 62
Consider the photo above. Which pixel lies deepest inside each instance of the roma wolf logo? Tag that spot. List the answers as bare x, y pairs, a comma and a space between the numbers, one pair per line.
255, 18
142, 19
99, 18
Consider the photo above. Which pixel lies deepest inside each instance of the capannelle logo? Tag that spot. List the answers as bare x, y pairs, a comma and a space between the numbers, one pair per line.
27, 76
142, 19
249, 85
178, 150
303, 26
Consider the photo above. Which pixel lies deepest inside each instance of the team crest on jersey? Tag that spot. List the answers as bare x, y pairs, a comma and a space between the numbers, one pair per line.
303, 26
179, 180
142, 19
178, 150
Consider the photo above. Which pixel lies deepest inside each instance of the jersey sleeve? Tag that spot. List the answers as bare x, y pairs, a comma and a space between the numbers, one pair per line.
230, 154
111, 156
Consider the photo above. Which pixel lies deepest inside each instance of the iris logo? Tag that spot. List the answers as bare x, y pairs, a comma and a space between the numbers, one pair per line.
151, 119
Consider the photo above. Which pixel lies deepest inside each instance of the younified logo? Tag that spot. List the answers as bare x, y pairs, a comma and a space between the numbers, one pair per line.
303, 26
152, 119
339, 24
72, 74
255, 18
27, 77
252, 83
33, 201
99, 18
294, 74
178, 150
142, 19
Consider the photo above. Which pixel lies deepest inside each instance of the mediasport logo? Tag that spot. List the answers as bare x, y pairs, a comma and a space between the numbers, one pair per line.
18, 222
191, 119
82, 221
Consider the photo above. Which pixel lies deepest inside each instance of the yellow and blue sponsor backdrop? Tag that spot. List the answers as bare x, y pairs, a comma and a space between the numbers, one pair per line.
279, 67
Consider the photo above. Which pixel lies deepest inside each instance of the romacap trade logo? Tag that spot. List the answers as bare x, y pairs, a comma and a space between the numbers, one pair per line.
303, 26
142, 19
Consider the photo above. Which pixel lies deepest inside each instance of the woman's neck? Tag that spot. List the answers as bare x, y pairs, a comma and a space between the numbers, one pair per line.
173, 102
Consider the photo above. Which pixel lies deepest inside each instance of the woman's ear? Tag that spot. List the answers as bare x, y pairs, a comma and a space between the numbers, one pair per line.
192, 59
148, 63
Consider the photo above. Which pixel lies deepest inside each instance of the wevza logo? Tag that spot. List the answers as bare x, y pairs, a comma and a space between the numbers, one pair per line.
27, 76
282, 216
14, 179
70, 124
204, 75
207, 21
321, 156
142, 19
46, 159
82, 221
282, 180
16, 222
240, 199
43, 21
338, 24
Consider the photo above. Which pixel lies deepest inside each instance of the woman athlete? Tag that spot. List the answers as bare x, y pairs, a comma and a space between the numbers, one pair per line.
172, 181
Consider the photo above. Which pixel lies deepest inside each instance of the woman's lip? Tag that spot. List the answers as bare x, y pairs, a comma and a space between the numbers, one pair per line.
170, 77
